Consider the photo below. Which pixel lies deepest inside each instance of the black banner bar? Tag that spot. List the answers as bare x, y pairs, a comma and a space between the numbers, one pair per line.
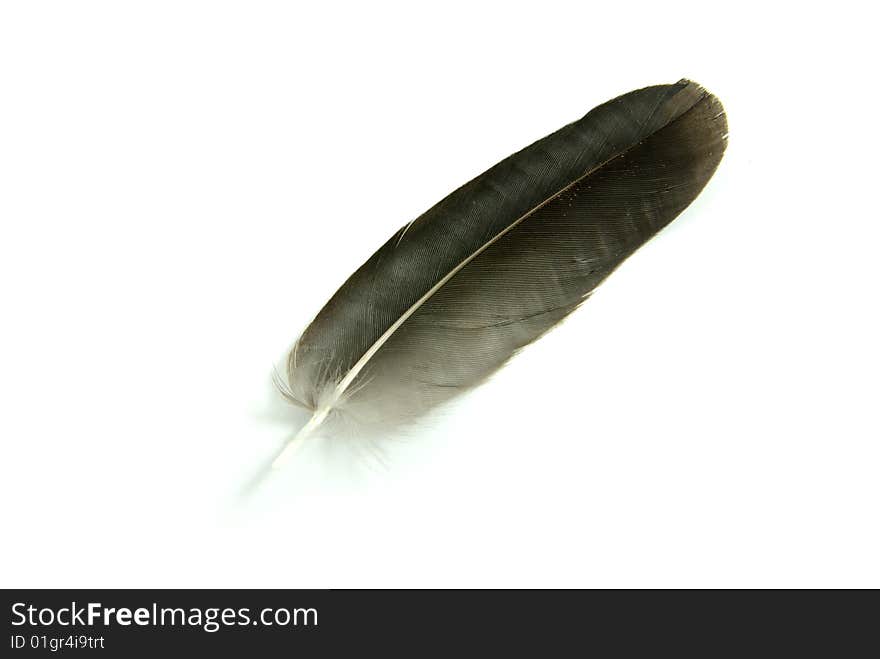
263, 623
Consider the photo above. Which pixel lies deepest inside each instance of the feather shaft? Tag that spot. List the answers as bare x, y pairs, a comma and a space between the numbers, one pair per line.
295, 444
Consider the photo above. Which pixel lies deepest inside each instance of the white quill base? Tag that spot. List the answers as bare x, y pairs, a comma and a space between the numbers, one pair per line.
292, 446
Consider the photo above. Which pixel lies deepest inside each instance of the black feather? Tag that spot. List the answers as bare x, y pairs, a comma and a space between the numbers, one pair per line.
452, 295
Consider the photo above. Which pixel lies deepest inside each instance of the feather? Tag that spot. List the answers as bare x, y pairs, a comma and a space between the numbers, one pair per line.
456, 292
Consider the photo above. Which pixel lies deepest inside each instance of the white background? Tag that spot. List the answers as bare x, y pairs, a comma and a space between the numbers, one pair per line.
183, 184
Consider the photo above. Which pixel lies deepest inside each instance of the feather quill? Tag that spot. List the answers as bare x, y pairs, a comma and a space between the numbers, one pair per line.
455, 293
